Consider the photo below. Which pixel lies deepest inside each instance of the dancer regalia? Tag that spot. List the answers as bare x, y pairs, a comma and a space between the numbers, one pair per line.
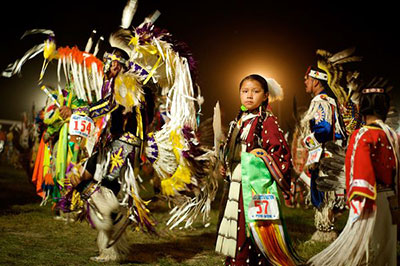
257, 161
118, 109
372, 184
324, 130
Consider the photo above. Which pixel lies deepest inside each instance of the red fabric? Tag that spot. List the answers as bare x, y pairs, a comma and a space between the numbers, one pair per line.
374, 163
247, 252
274, 143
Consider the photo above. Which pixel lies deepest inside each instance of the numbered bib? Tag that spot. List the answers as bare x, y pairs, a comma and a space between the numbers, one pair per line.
81, 126
314, 156
264, 207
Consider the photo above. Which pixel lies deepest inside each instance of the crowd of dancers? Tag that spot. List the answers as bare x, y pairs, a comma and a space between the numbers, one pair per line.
137, 107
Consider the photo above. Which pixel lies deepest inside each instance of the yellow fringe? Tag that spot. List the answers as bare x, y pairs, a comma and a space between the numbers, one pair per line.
76, 201
177, 182
142, 212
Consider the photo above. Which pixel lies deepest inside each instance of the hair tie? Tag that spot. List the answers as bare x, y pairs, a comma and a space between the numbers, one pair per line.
373, 90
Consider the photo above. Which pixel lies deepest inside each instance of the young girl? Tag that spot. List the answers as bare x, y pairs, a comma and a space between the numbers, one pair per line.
256, 160
369, 237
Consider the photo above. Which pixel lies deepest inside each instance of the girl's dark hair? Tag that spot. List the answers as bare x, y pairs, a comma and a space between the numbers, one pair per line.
256, 77
375, 104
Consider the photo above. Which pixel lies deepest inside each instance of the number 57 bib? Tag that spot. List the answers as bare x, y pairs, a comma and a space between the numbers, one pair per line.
81, 126
263, 207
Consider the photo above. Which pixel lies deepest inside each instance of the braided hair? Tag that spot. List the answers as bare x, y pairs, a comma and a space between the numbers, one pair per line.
263, 107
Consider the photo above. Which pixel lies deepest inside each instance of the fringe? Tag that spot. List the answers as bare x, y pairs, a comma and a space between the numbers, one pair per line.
205, 191
118, 252
37, 176
138, 211
271, 239
350, 247
227, 233
322, 219
370, 240
102, 204
86, 72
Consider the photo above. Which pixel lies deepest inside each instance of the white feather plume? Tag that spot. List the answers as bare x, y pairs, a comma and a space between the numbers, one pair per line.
275, 90
38, 31
97, 47
154, 16
15, 68
120, 39
217, 128
128, 13
89, 43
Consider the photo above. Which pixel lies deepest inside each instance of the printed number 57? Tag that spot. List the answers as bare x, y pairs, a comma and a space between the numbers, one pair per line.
258, 204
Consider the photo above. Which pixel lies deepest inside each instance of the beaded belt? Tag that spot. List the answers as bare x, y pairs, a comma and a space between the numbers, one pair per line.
130, 139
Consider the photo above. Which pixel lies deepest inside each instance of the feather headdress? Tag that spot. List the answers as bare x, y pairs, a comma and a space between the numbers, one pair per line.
343, 83
120, 39
15, 68
83, 68
332, 64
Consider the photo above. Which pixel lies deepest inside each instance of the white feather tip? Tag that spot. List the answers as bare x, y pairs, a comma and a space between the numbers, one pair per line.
89, 43
275, 90
128, 13
154, 16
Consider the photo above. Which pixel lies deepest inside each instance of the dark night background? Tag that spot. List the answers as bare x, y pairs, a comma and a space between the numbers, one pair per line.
229, 39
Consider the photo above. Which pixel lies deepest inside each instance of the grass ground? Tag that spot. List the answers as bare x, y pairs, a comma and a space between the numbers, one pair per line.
30, 236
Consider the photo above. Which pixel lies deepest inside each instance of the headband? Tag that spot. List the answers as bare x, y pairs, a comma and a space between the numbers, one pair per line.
373, 90
113, 57
318, 75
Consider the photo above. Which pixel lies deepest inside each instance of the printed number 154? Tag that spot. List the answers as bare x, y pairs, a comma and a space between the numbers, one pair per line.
83, 125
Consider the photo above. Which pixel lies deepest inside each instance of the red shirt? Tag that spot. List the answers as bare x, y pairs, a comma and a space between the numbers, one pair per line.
369, 161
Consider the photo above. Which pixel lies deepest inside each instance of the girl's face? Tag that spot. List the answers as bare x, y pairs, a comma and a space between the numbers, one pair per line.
252, 94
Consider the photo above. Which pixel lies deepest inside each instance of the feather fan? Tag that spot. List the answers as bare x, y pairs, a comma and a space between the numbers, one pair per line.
333, 168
